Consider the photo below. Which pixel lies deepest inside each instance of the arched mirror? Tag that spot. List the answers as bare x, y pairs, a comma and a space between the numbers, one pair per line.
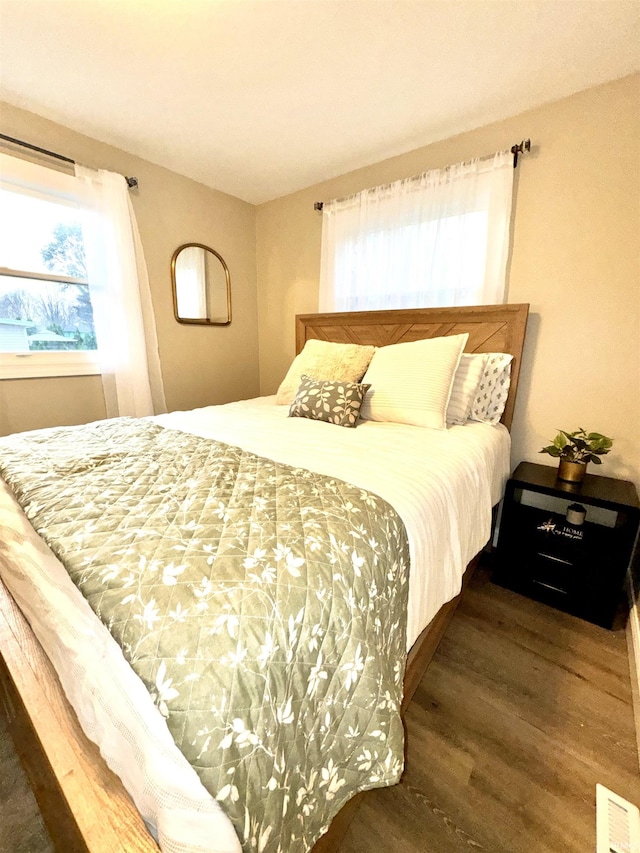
201, 286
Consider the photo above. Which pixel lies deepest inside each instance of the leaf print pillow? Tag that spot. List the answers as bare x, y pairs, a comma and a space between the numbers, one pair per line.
328, 400
493, 389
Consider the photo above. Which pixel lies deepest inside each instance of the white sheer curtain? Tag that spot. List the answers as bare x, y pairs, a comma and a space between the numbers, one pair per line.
440, 238
121, 298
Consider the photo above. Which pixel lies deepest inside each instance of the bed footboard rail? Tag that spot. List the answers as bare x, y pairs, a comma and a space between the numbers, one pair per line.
83, 804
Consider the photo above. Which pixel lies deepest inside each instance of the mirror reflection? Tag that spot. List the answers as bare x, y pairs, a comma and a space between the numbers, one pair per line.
201, 286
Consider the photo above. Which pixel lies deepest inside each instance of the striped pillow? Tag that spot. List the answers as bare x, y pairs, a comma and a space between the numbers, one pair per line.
411, 382
465, 385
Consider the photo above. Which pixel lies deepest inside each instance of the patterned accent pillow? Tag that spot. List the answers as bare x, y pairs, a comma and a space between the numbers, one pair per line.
328, 400
493, 390
325, 360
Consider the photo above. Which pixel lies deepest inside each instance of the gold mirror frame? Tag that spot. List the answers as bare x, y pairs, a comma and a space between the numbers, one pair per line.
200, 321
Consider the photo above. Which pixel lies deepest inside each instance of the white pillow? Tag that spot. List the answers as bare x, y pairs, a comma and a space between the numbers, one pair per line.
493, 390
465, 385
325, 360
411, 382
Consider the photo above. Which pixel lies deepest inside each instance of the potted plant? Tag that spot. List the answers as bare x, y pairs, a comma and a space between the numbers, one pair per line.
575, 450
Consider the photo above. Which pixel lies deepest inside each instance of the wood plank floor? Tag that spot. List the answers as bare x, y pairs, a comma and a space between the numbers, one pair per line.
521, 712
22, 829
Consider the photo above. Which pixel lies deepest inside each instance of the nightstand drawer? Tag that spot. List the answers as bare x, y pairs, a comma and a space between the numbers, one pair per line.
553, 573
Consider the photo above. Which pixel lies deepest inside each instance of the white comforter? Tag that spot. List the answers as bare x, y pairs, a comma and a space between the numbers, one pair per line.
443, 485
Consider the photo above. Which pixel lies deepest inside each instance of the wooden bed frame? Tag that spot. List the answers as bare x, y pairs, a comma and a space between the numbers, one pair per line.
84, 805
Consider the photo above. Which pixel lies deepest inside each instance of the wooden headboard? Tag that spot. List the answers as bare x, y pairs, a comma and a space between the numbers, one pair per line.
491, 328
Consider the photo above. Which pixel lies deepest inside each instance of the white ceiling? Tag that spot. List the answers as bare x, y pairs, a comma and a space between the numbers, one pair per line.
259, 98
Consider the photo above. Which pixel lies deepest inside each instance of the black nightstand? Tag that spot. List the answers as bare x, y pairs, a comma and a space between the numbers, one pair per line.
577, 568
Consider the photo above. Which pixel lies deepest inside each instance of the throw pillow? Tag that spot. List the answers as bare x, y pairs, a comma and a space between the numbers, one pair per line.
330, 401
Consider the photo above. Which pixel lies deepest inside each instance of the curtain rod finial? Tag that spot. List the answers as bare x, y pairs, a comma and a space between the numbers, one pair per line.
520, 148
132, 183
318, 205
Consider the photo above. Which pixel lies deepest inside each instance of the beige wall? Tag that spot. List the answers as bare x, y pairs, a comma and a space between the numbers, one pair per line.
575, 259
200, 365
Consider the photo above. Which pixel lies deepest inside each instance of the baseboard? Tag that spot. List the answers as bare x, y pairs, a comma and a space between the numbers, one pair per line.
633, 646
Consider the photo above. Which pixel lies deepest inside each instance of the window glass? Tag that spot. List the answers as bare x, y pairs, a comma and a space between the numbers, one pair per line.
45, 303
411, 256
40, 235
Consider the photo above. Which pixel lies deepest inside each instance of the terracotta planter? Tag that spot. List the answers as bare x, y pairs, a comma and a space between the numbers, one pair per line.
571, 472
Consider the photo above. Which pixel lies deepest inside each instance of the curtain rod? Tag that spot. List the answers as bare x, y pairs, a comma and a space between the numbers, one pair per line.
132, 183
518, 148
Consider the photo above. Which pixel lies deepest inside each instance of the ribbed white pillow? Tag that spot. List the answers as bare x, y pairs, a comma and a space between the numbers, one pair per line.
465, 385
325, 360
411, 382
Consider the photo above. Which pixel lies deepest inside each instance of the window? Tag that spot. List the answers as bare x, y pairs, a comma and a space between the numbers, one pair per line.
46, 316
409, 256
438, 239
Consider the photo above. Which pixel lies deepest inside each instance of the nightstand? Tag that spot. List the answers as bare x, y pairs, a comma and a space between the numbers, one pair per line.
578, 568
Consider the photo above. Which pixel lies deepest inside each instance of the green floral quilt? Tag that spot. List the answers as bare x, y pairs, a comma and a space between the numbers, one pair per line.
263, 606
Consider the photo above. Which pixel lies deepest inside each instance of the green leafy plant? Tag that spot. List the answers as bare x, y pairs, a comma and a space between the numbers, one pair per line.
579, 446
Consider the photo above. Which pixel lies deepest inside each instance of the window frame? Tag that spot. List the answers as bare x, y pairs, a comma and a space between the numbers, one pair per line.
18, 175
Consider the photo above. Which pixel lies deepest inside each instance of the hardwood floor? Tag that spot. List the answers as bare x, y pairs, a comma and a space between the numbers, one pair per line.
21, 827
523, 709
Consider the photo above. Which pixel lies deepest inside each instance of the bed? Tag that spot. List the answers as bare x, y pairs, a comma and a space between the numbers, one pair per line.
83, 802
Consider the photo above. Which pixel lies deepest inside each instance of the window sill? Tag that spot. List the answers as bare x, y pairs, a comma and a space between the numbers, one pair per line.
34, 365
